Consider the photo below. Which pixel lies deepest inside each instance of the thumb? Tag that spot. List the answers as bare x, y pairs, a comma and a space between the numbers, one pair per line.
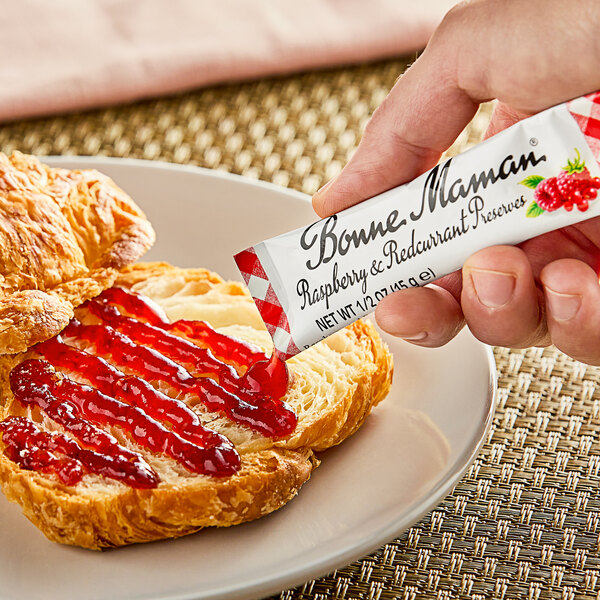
420, 118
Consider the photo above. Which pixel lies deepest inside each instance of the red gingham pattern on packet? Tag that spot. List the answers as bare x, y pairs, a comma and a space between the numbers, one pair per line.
586, 111
267, 302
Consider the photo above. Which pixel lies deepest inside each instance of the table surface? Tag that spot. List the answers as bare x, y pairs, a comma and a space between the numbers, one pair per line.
525, 520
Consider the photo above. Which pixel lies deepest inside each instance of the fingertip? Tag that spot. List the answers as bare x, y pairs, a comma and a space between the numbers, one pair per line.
500, 300
566, 282
572, 295
319, 199
428, 316
341, 192
497, 258
567, 275
491, 275
317, 205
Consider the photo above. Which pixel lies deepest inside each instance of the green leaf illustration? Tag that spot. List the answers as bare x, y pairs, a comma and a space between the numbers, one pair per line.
575, 166
534, 210
532, 181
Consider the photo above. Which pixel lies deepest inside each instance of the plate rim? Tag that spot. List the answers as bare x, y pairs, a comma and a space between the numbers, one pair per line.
57, 160
264, 586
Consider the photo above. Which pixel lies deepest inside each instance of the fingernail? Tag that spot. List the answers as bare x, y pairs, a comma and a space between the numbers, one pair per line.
493, 288
389, 323
419, 337
323, 188
562, 307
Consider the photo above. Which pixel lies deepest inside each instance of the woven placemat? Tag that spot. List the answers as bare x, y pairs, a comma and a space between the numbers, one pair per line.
525, 520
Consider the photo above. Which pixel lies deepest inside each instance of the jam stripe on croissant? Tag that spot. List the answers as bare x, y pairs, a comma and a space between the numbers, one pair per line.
37, 381
200, 332
183, 351
33, 382
131, 390
33, 449
172, 346
263, 374
271, 418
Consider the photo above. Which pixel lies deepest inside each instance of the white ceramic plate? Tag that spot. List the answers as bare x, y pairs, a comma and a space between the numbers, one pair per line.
408, 456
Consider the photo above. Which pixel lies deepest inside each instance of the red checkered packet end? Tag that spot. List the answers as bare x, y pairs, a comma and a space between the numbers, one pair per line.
586, 111
266, 301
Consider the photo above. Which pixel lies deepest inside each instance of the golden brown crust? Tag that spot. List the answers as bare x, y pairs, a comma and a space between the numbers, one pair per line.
266, 481
63, 236
272, 470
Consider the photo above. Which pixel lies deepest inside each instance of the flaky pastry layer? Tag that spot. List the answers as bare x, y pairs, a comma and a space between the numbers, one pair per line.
63, 237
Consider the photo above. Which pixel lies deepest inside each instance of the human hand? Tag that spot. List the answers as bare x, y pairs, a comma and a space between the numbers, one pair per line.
529, 55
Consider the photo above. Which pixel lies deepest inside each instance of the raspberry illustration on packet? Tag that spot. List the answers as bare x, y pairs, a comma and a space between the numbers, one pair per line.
574, 186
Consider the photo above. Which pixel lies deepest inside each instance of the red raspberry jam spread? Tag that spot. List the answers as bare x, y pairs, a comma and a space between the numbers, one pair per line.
34, 449
134, 345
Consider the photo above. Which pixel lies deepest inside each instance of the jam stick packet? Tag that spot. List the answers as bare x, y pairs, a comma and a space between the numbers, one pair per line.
541, 174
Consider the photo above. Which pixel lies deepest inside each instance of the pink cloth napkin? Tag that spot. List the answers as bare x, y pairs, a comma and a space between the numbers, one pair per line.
63, 55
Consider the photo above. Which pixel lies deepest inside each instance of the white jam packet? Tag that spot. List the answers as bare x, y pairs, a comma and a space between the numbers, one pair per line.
539, 175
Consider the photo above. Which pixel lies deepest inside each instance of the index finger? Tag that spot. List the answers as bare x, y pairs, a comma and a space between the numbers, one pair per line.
420, 118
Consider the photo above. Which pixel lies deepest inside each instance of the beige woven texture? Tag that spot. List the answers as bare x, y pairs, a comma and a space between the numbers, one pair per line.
524, 523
